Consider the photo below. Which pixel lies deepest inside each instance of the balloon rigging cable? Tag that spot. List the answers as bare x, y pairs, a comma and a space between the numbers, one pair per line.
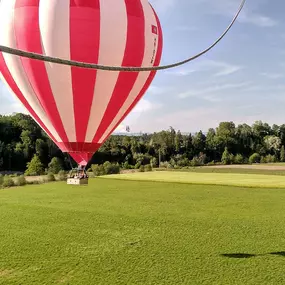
37, 56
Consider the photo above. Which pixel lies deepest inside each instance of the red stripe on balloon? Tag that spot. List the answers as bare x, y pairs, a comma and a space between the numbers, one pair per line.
28, 38
134, 53
149, 80
81, 147
81, 158
10, 81
84, 46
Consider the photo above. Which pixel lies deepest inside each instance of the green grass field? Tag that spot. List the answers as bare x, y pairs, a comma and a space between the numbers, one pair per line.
142, 232
237, 170
230, 179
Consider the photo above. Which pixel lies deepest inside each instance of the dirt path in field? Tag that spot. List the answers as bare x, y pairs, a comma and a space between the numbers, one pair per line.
34, 178
124, 171
253, 166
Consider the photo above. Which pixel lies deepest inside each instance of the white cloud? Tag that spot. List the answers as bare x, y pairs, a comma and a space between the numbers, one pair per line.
162, 5
189, 118
272, 75
204, 92
8, 108
145, 106
224, 68
9, 103
265, 88
227, 69
217, 68
180, 71
155, 90
186, 28
210, 117
257, 19
122, 129
248, 14
138, 115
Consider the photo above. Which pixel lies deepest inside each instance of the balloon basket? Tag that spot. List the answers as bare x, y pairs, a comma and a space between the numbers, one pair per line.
77, 176
77, 181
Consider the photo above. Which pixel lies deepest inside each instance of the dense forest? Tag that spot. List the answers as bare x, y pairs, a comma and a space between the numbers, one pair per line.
21, 140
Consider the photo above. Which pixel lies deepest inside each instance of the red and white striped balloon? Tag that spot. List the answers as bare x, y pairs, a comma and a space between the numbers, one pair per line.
79, 108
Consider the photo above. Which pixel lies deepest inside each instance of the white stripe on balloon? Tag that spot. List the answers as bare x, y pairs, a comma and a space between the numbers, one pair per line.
54, 21
15, 66
113, 36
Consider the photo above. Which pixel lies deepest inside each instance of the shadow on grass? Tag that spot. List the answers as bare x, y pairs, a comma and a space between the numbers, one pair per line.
249, 255
238, 255
280, 253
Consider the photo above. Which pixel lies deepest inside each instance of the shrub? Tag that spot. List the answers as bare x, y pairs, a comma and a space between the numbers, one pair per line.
36, 182
183, 162
8, 182
126, 165
50, 177
105, 169
270, 158
202, 158
238, 159
263, 159
62, 175
227, 157
55, 165
34, 167
179, 161
148, 167
142, 158
245, 160
195, 162
98, 170
1, 179
141, 169
254, 158
111, 168
138, 165
154, 162
21, 181
90, 174
282, 154
165, 164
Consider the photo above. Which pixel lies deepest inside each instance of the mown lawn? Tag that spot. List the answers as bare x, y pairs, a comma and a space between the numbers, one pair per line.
229, 179
239, 170
129, 232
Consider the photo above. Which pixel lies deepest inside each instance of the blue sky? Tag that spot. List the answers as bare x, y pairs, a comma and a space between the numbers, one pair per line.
242, 79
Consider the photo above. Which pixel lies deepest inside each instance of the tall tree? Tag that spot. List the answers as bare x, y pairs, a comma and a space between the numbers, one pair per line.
226, 135
199, 143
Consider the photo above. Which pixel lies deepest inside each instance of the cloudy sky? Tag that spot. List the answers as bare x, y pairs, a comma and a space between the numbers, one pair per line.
242, 79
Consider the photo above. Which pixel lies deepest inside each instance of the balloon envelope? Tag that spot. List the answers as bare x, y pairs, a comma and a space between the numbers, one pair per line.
79, 108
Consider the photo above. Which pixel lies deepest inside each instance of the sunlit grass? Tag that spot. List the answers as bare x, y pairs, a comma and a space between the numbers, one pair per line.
128, 232
231, 179
238, 170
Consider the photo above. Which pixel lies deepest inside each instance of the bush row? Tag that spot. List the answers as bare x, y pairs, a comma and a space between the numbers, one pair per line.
105, 169
8, 181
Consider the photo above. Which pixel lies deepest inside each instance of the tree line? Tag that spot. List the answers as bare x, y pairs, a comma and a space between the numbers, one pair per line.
22, 140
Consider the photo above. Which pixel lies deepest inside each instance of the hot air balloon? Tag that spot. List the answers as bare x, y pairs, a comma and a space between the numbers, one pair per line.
79, 108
